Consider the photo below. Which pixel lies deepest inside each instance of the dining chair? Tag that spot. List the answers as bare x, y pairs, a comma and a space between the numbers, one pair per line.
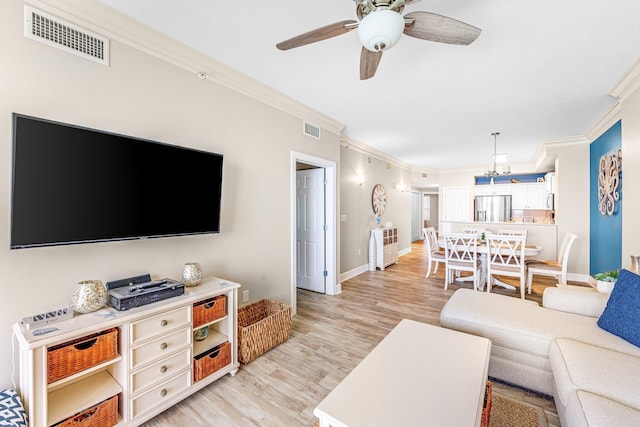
435, 256
461, 254
505, 257
557, 268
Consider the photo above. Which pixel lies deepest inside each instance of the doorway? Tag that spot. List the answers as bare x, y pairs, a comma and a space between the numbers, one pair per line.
327, 208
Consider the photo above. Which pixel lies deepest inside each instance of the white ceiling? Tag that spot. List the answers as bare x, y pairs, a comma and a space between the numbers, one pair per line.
540, 70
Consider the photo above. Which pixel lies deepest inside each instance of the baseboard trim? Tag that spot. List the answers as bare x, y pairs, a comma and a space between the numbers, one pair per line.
353, 273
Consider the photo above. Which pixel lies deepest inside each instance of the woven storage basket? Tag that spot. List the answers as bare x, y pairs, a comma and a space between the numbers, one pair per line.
74, 356
486, 408
104, 414
209, 310
207, 363
262, 325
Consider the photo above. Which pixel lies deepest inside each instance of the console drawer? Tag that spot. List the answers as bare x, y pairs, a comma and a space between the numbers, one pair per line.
159, 324
160, 394
160, 347
160, 371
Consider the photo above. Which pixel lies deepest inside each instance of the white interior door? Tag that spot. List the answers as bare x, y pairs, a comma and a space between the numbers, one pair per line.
310, 230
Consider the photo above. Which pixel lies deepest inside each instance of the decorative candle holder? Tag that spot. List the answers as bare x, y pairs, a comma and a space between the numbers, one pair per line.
192, 274
90, 295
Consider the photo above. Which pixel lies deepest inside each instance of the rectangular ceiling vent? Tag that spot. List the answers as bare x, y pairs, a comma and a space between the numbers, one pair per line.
63, 35
370, 160
311, 130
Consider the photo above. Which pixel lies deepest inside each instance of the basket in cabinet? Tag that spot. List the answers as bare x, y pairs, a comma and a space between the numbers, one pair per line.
77, 355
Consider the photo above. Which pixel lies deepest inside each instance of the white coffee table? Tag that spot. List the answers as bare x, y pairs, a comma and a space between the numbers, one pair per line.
419, 375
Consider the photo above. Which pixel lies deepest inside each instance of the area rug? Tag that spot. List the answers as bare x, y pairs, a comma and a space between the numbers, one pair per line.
506, 412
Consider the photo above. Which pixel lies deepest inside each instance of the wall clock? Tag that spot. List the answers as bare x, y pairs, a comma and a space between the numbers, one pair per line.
378, 199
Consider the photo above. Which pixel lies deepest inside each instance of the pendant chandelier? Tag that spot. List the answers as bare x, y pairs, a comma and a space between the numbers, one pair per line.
500, 163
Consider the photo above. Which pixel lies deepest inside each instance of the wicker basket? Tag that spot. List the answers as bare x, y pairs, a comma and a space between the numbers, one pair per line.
104, 414
74, 356
207, 363
209, 310
486, 407
261, 326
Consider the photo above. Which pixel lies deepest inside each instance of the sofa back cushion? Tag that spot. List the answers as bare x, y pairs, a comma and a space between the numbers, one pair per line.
621, 316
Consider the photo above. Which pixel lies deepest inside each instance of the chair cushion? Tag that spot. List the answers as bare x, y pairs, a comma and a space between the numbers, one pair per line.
620, 316
544, 266
12, 412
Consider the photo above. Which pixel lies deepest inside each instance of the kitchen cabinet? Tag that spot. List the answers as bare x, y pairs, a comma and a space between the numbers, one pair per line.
528, 196
493, 190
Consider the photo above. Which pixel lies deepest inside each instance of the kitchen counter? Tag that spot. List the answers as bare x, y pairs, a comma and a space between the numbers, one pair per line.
543, 235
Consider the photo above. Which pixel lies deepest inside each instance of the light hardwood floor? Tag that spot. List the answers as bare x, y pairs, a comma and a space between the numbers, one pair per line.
330, 336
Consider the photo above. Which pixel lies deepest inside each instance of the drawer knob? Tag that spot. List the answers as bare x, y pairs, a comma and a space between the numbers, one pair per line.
163, 392
163, 346
163, 369
163, 323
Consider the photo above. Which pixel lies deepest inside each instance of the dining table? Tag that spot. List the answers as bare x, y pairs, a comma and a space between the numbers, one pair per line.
530, 250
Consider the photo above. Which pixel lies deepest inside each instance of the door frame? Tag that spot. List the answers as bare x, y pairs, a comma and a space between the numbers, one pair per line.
331, 234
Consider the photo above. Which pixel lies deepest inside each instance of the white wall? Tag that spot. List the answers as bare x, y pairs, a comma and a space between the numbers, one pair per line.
357, 217
146, 97
630, 178
572, 202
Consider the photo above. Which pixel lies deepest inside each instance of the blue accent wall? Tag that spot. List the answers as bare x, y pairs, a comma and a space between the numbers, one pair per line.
605, 231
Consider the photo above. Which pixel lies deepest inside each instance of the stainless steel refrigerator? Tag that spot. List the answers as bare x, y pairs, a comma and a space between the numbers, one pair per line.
493, 208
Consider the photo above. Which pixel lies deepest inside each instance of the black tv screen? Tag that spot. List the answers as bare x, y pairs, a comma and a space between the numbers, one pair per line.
78, 185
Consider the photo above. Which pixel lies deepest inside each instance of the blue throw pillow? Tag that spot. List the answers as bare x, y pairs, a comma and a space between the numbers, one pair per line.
621, 316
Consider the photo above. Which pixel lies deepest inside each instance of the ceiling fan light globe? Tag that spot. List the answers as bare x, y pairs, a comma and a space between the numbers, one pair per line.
380, 30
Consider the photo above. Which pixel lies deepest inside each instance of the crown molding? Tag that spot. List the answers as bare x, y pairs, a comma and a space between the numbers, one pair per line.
628, 84
365, 149
605, 122
111, 23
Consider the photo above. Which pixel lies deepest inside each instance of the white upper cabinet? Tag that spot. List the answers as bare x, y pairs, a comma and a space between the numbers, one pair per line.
493, 190
528, 196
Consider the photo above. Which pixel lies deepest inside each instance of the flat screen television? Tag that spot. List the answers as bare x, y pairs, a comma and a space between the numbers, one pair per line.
75, 185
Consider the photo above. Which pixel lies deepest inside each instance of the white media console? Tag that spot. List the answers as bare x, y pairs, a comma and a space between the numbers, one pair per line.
155, 364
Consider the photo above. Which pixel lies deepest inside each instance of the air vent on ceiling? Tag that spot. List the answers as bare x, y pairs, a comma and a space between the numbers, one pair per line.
311, 130
58, 33
369, 160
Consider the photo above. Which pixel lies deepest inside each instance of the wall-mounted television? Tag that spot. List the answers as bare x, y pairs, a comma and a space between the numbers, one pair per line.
75, 185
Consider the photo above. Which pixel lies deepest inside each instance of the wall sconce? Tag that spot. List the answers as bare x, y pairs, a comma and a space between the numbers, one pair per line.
400, 187
360, 179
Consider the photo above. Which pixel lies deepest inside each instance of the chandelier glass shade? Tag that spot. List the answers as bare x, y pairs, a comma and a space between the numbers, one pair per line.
500, 162
380, 30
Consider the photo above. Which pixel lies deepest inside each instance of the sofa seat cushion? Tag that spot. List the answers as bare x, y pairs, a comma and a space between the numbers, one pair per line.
586, 409
579, 366
523, 325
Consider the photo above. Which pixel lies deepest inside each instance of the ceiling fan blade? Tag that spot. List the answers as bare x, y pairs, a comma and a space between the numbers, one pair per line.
369, 63
318, 34
438, 28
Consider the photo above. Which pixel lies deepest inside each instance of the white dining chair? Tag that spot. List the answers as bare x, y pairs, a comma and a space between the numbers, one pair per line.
461, 254
556, 268
505, 257
435, 256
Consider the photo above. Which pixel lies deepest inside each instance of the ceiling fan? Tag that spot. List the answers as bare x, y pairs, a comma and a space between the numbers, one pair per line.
381, 26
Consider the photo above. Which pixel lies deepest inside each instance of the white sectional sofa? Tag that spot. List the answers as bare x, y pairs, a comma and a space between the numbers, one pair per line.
557, 349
